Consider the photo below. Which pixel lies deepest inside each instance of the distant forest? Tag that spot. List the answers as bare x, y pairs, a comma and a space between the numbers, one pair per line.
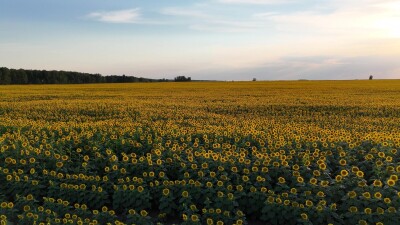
22, 76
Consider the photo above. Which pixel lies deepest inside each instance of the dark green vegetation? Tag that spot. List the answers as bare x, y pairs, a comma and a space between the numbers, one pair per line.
22, 76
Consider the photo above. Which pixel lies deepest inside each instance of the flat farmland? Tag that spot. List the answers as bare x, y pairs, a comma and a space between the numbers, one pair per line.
278, 152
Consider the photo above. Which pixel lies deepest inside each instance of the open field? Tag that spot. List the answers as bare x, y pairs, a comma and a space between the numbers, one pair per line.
301, 152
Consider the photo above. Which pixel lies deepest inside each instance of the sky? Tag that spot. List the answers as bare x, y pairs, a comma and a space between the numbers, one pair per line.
209, 39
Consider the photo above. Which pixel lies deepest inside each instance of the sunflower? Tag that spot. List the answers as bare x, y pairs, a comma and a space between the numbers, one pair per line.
394, 177
313, 181
194, 218
165, 191
353, 209
185, 194
344, 173
143, 213
304, 216
378, 195
392, 209
360, 174
352, 194
391, 182
362, 222
309, 203
366, 195
387, 200
321, 194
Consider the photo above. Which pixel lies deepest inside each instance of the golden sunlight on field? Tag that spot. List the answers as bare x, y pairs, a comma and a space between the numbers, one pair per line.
304, 152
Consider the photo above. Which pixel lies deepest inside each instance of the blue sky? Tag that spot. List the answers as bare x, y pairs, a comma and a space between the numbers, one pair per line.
211, 39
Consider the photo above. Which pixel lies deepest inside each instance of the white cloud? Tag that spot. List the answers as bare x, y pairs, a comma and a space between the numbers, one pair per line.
119, 16
341, 19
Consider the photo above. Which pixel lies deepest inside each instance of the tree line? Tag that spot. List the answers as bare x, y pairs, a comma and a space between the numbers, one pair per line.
23, 76
182, 79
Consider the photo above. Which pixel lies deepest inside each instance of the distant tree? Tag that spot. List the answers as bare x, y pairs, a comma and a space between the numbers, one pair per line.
5, 76
22, 76
182, 79
254, 79
371, 77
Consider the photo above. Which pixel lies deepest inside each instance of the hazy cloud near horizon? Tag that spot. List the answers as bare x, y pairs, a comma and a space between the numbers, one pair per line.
212, 39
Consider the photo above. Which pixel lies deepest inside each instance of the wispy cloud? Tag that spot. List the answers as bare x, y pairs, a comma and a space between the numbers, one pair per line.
317, 67
199, 19
176, 11
217, 27
260, 2
119, 16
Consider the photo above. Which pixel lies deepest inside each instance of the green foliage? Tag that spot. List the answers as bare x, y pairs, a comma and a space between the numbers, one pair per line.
21, 76
182, 79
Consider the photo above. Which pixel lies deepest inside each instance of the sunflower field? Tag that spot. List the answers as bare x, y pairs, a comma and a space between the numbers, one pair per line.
288, 152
